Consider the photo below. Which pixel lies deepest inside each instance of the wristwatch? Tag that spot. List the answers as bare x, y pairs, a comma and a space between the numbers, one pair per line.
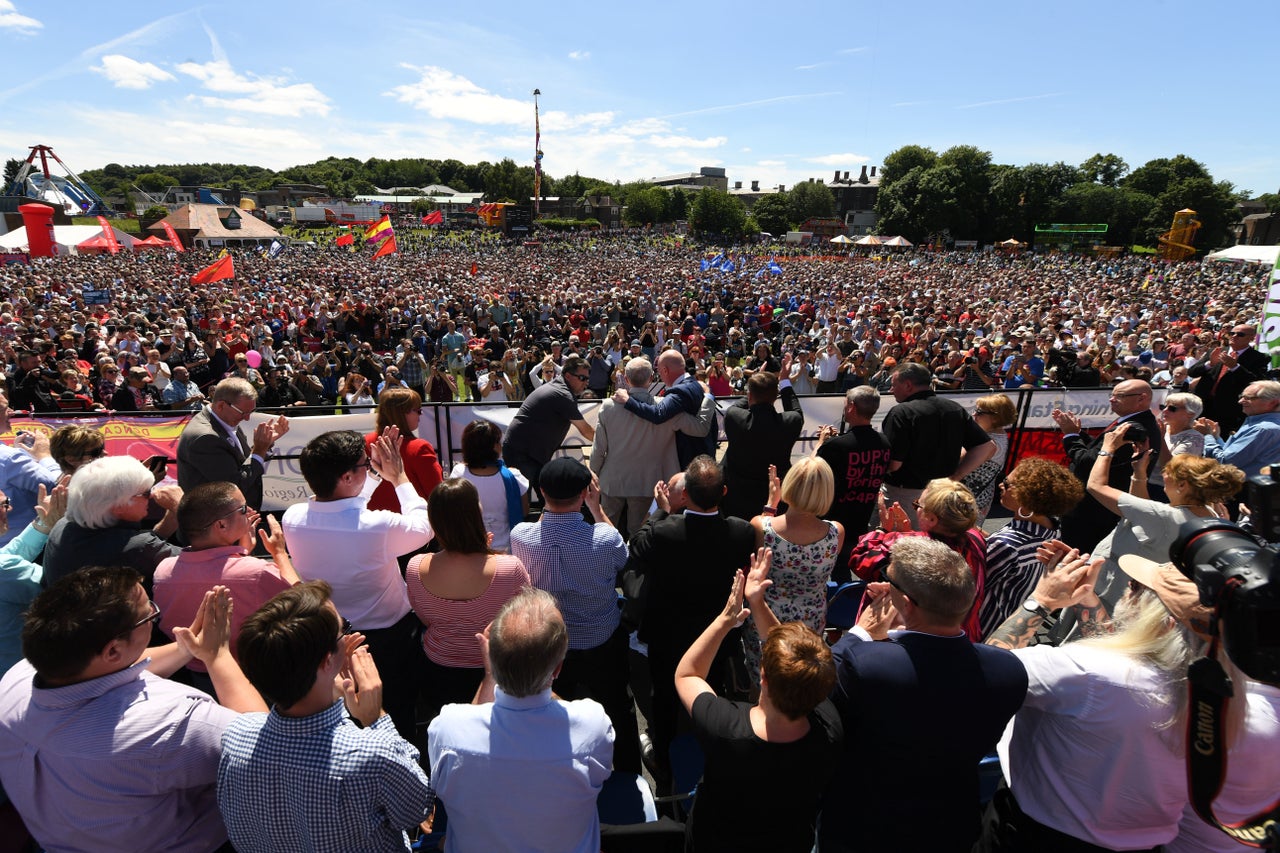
1033, 606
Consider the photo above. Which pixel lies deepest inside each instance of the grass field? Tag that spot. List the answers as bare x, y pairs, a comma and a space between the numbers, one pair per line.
128, 226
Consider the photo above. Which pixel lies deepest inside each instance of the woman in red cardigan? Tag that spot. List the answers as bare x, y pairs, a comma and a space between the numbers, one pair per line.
401, 408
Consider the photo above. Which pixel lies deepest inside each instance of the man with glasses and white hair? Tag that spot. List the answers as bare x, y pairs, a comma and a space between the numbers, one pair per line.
213, 447
99, 750
540, 427
1256, 443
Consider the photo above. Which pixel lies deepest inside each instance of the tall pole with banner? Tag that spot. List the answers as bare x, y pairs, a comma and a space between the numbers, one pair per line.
537, 155
1271, 316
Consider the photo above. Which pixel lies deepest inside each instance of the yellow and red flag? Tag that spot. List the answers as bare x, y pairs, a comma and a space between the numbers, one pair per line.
388, 247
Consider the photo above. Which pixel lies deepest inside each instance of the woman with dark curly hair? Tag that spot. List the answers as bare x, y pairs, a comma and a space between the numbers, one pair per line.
1038, 492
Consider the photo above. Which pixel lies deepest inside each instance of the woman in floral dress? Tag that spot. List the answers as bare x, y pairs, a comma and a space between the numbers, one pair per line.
804, 550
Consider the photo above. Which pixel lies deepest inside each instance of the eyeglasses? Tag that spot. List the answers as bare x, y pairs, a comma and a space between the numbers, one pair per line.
346, 627
1248, 396
1241, 334
146, 494
916, 506
6, 504
241, 412
154, 616
982, 412
110, 371
1167, 408
581, 377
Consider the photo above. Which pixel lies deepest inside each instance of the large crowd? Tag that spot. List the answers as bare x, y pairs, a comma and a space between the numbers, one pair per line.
421, 652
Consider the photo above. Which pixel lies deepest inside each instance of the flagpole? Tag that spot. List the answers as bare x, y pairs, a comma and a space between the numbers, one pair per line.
537, 155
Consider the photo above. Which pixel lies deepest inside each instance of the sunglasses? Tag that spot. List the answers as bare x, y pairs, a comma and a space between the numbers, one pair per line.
1167, 408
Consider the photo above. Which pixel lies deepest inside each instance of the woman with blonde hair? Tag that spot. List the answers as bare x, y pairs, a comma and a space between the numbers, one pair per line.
995, 413
804, 548
1120, 691
74, 446
947, 512
401, 407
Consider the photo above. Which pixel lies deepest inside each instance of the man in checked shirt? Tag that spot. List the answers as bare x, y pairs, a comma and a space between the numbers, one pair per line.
578, 563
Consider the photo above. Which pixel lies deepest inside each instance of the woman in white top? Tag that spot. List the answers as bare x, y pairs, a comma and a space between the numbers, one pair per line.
482, 465
1095, 752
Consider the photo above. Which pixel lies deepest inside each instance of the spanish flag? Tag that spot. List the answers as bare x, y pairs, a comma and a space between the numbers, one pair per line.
379, 231
388, 247
222, 268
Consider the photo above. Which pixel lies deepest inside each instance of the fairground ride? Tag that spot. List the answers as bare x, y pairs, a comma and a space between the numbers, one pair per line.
65, 191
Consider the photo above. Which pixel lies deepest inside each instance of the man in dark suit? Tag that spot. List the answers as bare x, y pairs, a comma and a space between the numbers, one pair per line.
688, 561
922, 705
213, 447
137, 394
1086, 525
1225, 374
759, 437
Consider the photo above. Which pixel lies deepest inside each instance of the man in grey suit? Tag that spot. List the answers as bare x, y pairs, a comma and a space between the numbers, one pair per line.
630, 454
213, 448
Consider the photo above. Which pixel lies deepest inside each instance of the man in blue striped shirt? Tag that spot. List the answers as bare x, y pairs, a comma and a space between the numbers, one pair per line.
578, 563
303, 777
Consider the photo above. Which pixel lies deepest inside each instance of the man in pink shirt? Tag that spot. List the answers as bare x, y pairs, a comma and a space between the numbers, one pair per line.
219, 524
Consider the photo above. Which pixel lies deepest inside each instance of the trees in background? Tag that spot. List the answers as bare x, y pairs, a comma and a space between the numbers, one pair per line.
962, 194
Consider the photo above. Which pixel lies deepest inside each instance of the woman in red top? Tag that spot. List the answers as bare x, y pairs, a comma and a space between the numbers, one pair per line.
402, 408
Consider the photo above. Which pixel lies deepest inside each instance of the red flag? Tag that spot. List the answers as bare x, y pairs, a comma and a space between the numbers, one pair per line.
345, 239
220, 269
474, 268
173, 236
113, 245
435, 217
388, 247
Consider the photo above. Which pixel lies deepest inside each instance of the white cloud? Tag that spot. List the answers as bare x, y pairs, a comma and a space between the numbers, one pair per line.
814, 65
579, 54
687, 142
445, 95
12, 19
126, 73
267, 95
839, 159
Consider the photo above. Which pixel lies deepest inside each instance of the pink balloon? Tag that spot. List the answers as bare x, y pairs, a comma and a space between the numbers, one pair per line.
254, 358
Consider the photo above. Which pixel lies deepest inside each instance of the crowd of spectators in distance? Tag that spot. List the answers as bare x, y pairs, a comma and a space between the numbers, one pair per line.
410, 652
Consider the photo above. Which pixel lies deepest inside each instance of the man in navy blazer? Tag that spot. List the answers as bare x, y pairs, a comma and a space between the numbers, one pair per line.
922, 705
1226, 373
213, 447
684, 394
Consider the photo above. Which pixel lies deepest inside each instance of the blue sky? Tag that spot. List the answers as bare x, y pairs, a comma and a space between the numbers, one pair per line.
634, 90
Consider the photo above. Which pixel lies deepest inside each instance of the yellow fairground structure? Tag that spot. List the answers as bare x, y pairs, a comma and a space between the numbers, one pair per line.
1175, 244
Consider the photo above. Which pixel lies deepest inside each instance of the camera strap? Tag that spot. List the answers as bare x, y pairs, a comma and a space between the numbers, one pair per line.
1210, 694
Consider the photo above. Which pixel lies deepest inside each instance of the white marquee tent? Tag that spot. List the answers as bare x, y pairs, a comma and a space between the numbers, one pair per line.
67, 237
1256, 254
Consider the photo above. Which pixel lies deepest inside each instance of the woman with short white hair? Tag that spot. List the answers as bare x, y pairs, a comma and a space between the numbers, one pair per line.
107, 503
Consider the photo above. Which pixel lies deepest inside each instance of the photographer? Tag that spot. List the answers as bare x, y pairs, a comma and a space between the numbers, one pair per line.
440, 384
